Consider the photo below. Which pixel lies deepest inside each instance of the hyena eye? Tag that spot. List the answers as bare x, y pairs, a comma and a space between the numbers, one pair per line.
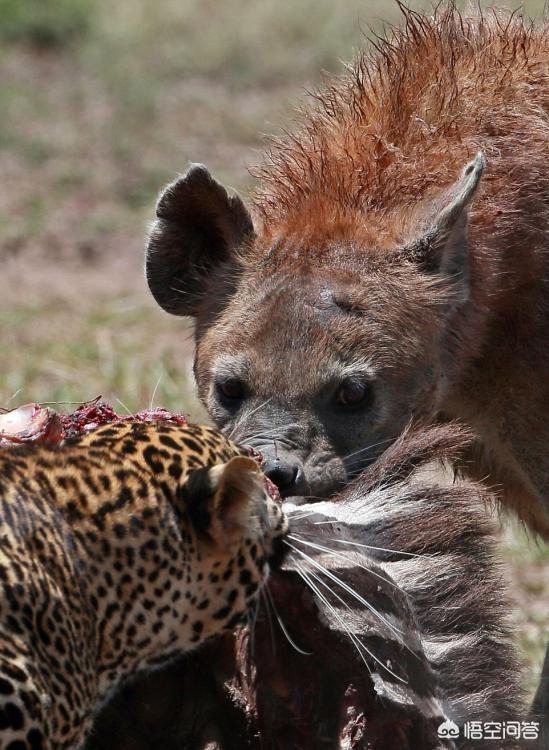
230, 391
353, 393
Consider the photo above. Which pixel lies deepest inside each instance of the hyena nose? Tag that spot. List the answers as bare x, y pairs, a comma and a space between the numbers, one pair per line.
283, 473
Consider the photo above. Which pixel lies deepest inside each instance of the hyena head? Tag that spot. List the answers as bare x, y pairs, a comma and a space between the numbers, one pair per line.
316, 342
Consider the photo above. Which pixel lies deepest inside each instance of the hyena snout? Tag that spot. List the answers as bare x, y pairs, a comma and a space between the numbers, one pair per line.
286, 471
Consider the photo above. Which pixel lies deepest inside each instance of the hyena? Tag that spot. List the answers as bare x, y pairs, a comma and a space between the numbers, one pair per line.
395, 266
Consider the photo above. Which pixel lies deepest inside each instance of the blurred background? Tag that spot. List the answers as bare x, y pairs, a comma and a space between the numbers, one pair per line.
101, 103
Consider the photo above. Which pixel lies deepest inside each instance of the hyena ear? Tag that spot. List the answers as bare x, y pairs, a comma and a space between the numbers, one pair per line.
198, 228
443, 247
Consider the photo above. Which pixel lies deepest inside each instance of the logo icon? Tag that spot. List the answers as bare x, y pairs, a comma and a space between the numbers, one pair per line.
448, 729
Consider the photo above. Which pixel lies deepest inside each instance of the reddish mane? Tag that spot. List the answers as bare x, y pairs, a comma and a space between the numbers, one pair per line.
403, 122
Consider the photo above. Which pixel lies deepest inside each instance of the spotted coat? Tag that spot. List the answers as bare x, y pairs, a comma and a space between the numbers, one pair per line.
119, 550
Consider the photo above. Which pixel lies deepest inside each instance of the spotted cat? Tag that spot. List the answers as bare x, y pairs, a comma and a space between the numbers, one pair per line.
120, 550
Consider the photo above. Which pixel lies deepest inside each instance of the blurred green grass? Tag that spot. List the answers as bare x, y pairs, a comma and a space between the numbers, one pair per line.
100, 104
110, 350
526, 563
44, 23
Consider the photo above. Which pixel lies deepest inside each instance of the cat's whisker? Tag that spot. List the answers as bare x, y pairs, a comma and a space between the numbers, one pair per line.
359, 645
332, 551
269, 619
252, 622
377, 549
344, 586
283, 626
352, 637
302, 516
365, 648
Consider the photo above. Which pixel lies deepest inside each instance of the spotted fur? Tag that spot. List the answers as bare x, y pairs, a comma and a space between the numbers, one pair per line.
120, 550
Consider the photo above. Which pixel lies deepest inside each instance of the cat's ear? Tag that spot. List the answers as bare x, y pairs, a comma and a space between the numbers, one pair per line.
238, 489
223, 501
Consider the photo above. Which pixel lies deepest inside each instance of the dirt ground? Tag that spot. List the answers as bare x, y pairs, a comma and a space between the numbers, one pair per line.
91, 126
